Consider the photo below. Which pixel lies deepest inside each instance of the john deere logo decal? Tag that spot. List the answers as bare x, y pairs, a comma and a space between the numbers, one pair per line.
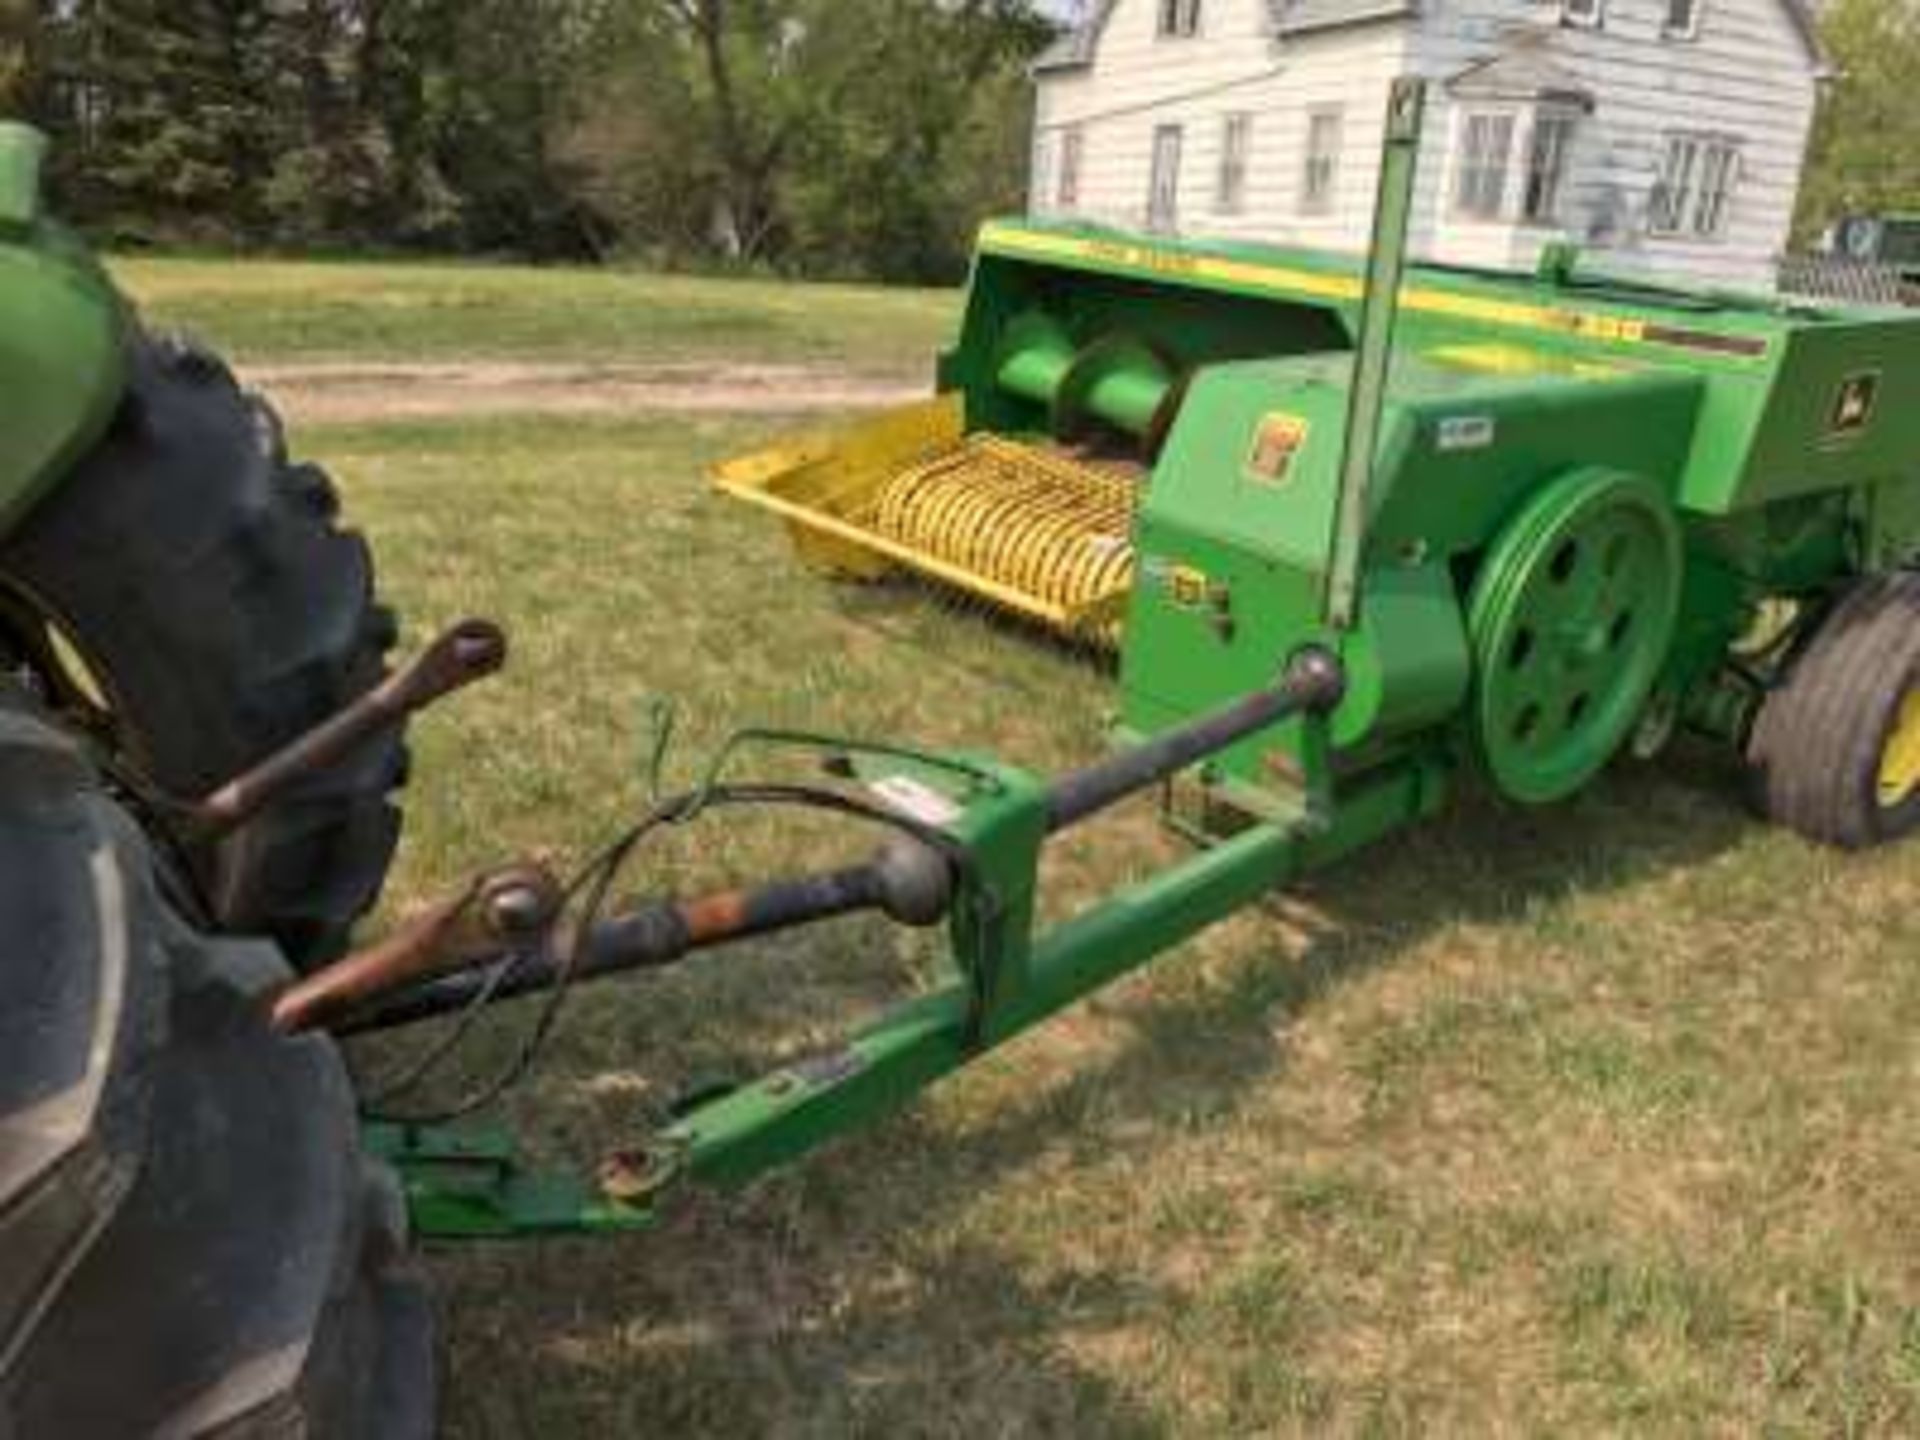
1853, 404
1275, 441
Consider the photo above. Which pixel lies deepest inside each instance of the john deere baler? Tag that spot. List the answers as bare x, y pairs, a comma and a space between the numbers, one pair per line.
1569, 498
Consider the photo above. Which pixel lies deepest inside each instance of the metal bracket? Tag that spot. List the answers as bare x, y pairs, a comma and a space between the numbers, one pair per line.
468, 1184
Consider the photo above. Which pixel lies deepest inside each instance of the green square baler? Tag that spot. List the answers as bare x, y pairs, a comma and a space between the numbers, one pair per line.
1593, 510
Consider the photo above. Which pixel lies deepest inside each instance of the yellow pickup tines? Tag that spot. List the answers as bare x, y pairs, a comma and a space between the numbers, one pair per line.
1049, 530
1027, 526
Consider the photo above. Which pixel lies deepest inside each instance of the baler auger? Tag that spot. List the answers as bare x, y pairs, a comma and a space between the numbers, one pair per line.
1355, 534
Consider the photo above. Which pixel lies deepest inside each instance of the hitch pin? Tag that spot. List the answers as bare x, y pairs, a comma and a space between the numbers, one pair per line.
504, 909
468, 651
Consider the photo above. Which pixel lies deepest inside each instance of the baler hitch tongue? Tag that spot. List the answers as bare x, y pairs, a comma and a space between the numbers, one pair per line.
461, 655
975, 865
434, 968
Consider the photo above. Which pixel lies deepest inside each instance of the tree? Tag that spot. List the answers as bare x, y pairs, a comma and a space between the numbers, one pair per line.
329, 170
20, 38
838, 136
753, 65
637, 147
503, 87
834, 136
900, 171
178, 143
153, 105
1864, 155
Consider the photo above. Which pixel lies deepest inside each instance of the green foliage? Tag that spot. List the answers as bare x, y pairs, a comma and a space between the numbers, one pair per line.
162, 101
19, 28
836, 136
1865, 152
854, 137
897, 170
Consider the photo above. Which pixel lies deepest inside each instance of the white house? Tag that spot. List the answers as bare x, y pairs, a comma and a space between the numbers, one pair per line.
1664, 137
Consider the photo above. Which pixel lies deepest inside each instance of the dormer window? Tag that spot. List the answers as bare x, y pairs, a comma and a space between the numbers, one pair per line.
1583, 14
1179, 18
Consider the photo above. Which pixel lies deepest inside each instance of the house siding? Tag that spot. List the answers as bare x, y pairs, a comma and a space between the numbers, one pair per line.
1139, 82
1746, 75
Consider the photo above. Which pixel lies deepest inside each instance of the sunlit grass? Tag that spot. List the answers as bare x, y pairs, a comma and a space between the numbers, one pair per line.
301, 310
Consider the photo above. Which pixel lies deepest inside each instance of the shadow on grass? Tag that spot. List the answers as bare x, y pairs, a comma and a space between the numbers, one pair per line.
819, 1304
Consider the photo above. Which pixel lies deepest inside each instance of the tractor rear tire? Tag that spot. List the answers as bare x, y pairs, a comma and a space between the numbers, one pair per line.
191, 1243
201, 578
1835, 749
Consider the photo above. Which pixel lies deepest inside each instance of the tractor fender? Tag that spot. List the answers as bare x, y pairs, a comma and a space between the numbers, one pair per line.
62, 336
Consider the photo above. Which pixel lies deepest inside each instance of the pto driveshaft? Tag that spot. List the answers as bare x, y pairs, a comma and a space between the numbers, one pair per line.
909, 880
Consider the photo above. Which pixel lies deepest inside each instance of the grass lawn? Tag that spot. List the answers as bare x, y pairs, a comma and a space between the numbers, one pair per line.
398, 312
1600, 1118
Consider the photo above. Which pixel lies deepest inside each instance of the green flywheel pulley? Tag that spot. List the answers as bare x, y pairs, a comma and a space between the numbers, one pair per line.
1570, 618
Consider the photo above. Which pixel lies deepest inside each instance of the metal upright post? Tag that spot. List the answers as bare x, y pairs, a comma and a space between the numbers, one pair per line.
1379, 304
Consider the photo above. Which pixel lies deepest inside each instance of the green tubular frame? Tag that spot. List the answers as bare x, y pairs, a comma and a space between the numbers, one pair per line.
1008, 978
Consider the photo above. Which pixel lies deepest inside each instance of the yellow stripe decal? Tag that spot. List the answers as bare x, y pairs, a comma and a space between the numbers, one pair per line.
1291, 281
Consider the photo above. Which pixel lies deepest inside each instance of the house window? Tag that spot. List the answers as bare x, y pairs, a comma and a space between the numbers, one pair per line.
1695, 189
1163, 185
1682, 20
1322, 161
1546, 168
1586, 14
1179, 17
1719, 166
1066, 189
1480, 177
1236, 138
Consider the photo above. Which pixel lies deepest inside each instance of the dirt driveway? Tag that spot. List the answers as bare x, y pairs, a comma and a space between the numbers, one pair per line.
346, 391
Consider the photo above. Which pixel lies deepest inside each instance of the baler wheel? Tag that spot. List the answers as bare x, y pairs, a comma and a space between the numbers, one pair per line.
1571, 616
1836, 745
186, 596
191, 1242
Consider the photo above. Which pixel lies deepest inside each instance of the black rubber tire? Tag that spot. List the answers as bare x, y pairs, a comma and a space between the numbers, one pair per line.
191, 1243
1818, 740
202, 576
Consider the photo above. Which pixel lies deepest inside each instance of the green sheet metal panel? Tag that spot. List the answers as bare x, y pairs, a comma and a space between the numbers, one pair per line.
1844, 410
61, 324
1233, 536
1774, 374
